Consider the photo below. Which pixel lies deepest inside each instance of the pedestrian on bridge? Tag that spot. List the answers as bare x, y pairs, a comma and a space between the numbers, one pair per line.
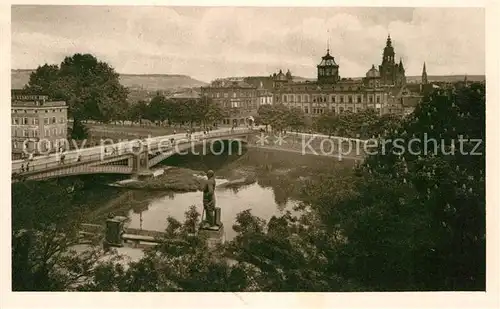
22, 168
27, 167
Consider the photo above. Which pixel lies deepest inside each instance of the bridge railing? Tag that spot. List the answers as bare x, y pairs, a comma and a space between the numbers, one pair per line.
127, 148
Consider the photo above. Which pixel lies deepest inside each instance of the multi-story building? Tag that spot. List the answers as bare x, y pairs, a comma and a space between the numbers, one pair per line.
239, 98
331, 93
37, 123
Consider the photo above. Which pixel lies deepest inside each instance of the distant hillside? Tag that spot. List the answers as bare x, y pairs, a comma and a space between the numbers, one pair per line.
19, 78
159, 81
152, 82
447, 78
147, 82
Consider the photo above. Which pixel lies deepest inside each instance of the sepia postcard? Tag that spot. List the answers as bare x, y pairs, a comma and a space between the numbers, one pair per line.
334, 148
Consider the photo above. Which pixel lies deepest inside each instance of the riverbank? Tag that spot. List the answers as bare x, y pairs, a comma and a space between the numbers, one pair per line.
178, 180
172, 179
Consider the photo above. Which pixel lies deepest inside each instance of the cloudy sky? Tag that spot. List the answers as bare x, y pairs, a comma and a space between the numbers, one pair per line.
206, 42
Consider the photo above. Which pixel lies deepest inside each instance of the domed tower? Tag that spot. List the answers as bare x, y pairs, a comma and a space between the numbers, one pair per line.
289, 75
279, 79
372, 78
328, 70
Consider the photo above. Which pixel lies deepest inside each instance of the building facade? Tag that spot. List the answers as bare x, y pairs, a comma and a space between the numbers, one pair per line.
239, 98
378, 90
383, 90
37, 124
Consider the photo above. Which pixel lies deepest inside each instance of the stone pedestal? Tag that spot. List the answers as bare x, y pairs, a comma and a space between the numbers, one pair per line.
213, 234
114, 231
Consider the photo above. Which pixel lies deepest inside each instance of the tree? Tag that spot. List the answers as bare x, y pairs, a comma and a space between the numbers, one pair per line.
44, 80
214, 113
327, 123
45, 226
138, 111
296, 119
79, 131
414, 221
91, 88
157, 109
265, 113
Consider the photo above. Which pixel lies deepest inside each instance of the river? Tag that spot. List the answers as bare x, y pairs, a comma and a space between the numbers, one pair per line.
274, 181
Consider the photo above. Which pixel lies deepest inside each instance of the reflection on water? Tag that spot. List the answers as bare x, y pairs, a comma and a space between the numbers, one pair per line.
269, 183
259, 200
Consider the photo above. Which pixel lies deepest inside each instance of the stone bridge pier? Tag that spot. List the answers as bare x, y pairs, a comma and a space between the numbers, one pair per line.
140, 164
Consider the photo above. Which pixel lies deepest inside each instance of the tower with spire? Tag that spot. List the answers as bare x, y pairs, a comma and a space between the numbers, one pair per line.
328, 70
424, 76
391, 73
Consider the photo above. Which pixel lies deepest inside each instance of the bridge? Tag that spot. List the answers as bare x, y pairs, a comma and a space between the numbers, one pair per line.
137, 157
129, 157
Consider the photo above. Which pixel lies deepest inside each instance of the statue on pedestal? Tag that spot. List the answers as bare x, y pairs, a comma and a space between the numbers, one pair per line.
209, 199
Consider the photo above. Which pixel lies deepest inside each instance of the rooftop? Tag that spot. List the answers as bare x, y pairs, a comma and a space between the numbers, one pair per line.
39, 104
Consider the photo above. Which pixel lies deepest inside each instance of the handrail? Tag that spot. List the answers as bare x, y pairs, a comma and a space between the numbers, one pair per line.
153, 143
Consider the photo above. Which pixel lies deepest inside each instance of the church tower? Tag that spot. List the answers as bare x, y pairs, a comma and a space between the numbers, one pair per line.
401, 77
424, 76
328, 70
391, 73
388, 68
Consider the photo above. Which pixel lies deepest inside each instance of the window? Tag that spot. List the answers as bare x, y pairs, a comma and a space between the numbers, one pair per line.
341, 109
378, 99
332, 98
46, 120
25, 133
35, 133
370, 99
25, 120
359, 99
47, 133
350, 99
53, 120
306, 110
341, 99
284, 98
